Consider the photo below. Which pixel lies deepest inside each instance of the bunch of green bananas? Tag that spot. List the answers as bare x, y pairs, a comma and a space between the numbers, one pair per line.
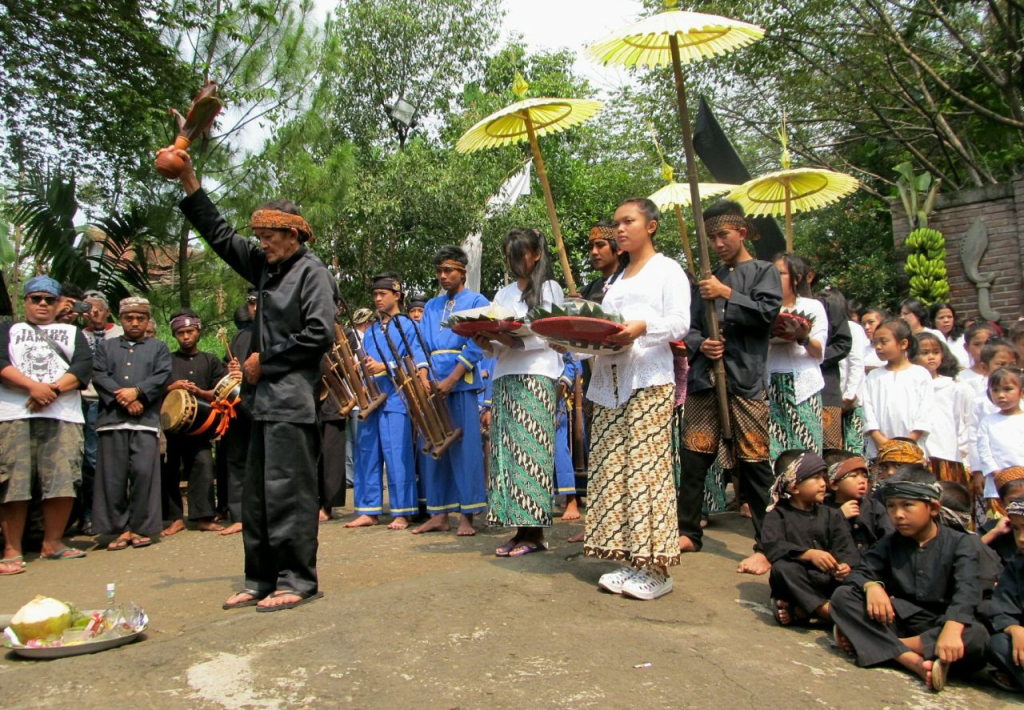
926, 265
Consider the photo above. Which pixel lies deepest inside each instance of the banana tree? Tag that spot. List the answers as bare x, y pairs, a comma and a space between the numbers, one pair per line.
917, 193
108, 254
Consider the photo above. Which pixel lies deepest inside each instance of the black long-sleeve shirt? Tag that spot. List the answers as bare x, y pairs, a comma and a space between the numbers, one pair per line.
837, 347
789, 532
120, 363
941, 577
294, 315
870, 526
202, 369
745, 320
1008, 603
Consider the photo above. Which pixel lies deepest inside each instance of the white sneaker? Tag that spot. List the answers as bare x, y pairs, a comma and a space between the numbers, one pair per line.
614, 581
647, 584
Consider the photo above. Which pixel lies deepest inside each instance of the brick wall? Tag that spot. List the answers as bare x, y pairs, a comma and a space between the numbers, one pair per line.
1001, 207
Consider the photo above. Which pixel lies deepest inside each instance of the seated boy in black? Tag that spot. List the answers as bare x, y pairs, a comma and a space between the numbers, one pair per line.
996, 532
808, 544
913, 597
956, 513
1006, 647
850, 487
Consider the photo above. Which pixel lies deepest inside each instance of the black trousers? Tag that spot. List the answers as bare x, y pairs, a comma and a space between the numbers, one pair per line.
280, 508
1000, 655
331, 465
877, 643
756, 479
235, 446
127, 493
806, 587
190, 458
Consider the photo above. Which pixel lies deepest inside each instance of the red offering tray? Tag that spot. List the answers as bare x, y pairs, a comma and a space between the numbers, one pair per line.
678, 347
469, 328
575, 328
790, 326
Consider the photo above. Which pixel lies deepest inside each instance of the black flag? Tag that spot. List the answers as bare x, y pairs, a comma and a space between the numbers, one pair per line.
716, 152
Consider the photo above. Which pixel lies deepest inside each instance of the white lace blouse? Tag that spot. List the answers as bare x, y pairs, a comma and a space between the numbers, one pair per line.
659, 295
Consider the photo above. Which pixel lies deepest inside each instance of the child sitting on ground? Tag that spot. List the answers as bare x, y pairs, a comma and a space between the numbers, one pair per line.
808, 544
996, 532
850, 486
956, 513
913, 597
1006, 647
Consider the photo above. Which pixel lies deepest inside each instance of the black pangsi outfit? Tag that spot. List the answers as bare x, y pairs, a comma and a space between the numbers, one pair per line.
870, 526
789, 532
127, 494
928, 586
294, 328
191, 457
745, 320
1008, 610
235, 444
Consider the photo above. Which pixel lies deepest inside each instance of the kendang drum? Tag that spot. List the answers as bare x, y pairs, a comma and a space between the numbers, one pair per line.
184, 414
228, 390
578, 326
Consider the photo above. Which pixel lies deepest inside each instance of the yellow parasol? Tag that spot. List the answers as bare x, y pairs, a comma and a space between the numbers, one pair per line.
676, 37
526, 120
792, 190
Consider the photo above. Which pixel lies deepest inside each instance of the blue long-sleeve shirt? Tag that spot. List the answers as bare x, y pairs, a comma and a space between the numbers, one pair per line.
375, 343
447, 348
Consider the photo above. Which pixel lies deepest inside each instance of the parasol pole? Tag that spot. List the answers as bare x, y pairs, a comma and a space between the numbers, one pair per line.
549, 202
789, 215
691, 265
702, 238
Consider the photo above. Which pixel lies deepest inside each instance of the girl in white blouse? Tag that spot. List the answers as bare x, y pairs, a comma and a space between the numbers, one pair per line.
632, 499
950, 410
794, 392
522, 452
897, 397
1001, 434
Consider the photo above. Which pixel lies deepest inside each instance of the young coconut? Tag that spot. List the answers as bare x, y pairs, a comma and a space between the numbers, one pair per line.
41, 618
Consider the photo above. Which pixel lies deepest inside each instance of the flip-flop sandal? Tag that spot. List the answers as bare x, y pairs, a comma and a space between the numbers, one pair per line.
18, 560
528, 548
939, 671
304, 598
117, 545
249, 602
64, 553
12, 569
506, 549
140, 542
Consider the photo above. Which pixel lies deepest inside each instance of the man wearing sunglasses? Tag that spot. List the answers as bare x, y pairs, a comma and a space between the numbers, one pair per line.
43, 365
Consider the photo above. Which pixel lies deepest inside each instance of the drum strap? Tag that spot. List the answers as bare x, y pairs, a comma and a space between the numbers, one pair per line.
223, 407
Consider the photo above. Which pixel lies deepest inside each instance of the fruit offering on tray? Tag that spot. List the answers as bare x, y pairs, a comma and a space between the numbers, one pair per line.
486, 320
790, 326
578, 325
50, 623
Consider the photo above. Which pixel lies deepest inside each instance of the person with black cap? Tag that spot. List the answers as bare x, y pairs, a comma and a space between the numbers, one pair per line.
294, 328
417, 303
385, 442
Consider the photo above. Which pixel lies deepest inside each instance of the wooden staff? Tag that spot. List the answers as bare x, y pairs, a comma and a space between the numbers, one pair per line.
222, 333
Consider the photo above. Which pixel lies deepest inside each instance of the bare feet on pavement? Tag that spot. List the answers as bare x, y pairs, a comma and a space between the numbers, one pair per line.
757, 563
466, 528
578, 537
232, 529
398, 524
745, 511
687, 545
173, 529
363, 521
437, 523
572, 509
324, 517
209, 526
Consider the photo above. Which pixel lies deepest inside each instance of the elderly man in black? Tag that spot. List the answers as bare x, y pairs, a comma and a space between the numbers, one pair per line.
294, 328
747, 296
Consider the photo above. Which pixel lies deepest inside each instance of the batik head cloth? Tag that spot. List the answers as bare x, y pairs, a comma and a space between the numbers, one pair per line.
908, 490
726, 221
840, 470
1015, 507
185, 322
452, 264
900, 451
1013, 473
276, 219
387, 284
600, 231
805, 466
134, 304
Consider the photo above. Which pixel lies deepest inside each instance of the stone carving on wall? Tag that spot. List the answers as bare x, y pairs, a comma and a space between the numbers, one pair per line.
972, 249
